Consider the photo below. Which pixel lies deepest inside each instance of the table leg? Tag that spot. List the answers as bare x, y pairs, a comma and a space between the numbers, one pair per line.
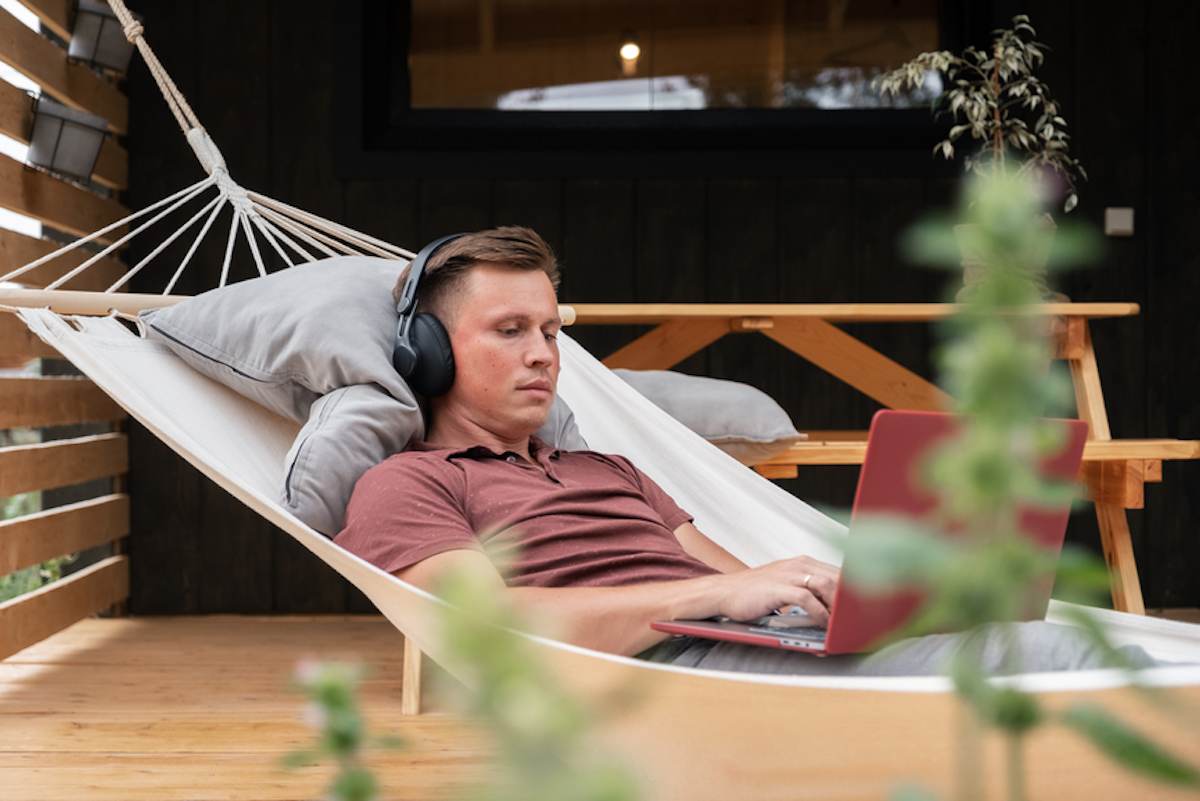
667, 345
1114, 526
410, 679
858, 364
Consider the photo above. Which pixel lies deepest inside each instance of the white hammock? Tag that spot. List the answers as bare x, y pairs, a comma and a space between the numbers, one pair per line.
695, 734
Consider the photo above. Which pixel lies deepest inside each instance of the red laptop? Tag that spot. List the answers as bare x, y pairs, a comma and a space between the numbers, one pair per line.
889, 484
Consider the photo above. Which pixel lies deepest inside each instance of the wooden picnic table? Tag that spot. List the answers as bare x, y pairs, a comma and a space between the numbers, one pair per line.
1115, 471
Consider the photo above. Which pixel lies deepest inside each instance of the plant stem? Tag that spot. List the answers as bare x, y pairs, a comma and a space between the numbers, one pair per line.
998, 133
1016, 767
969, 767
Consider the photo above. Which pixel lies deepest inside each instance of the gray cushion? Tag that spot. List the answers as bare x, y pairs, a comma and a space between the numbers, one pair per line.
302, 334
739, 419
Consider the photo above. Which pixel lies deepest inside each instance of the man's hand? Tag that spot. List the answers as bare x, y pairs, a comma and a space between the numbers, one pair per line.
800, 581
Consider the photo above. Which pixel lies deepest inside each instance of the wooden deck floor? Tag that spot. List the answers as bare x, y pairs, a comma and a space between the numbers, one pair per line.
200, 708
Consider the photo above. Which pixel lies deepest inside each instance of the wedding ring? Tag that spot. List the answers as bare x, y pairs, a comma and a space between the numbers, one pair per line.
807, 579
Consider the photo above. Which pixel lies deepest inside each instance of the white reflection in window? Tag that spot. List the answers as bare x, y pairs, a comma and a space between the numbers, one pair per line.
668, 93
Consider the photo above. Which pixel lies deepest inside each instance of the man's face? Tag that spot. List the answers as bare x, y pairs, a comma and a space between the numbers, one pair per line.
502, 330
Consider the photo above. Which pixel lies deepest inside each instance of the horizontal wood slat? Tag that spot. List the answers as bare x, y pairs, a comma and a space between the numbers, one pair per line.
32, 618
18, 344
46, 64
652, 313
46, 465
56, 202
16, 120
34, 538
54, 14
53, 401
17, 250
853, 452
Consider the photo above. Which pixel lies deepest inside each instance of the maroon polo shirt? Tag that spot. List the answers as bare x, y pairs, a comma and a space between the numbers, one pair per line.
570, 519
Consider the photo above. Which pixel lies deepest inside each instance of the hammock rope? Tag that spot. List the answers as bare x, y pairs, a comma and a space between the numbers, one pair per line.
254, 216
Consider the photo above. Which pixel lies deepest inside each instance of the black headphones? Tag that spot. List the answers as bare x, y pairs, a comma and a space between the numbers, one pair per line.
422, 353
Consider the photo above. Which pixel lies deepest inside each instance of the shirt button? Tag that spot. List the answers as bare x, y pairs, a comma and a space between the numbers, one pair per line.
510, 459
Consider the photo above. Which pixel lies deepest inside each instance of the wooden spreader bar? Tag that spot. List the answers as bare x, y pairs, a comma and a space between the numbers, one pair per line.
1114, 471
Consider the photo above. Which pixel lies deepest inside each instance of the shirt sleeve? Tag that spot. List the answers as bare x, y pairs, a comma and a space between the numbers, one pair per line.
405, 510
662, 503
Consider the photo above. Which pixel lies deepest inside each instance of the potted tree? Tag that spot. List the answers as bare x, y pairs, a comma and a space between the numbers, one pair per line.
996, 100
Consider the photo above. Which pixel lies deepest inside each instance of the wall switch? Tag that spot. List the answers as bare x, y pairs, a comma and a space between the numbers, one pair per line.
1118, 221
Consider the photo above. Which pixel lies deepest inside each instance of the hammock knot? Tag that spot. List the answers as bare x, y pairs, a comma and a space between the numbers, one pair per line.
206, 151
133, 30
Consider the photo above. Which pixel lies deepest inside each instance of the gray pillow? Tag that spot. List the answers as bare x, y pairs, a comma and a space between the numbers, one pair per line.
739, 419
316, 331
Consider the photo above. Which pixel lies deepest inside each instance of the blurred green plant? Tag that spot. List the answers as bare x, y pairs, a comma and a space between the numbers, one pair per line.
997, 362
542, 732
332, 689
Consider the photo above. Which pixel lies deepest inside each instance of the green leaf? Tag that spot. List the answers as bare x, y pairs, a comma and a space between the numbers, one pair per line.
1127, 746
298, 759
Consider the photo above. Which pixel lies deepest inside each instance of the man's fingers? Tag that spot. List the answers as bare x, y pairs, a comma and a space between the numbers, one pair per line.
811, 604
823, 587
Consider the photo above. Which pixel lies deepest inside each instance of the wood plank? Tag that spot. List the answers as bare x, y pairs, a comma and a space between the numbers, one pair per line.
1069, 336
46, 465
859, 365
54, 14
1117, 483
33, 617
34, 538
46, 64
57, 203
410, 686
16, 120
17, 250
1089, 398
36, 402
1117, 543
67, 301
852, 451
18, 344
668, 344
644, 313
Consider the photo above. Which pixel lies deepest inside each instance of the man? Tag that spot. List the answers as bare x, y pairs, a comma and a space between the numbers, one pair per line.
593, 544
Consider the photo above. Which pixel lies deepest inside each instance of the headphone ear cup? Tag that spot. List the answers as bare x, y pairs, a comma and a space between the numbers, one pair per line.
433, 373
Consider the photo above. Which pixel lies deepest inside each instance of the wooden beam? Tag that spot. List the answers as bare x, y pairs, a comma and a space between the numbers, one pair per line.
410, 679
652, 313
816, 451
1119, 483
777, 471
18, 344
46, 465
53, 401
1069, 338
858, 364
17, 250
31, 618
57, 203
87, 303
54, 14
46, 64
668, 344
16, 120
32, 539
1089, 398
1117, 543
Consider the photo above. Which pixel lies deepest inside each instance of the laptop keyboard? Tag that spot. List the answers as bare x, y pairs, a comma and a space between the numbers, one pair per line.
781, 626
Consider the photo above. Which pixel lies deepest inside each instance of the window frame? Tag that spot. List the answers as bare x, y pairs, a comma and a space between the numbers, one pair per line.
378, 132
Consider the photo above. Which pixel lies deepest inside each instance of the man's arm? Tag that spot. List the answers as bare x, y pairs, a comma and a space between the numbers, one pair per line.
701, 547
617, 619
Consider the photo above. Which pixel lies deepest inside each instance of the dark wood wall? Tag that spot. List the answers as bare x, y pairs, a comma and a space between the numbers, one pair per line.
263, 77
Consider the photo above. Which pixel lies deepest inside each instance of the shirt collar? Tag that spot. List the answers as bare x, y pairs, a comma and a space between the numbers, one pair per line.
538, 449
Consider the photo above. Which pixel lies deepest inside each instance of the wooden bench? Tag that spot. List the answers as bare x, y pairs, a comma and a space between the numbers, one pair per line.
1115, 471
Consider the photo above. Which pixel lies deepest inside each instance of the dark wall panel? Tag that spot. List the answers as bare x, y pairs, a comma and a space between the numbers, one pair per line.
827, 232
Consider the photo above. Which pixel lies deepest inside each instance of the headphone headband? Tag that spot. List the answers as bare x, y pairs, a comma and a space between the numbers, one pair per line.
423, 357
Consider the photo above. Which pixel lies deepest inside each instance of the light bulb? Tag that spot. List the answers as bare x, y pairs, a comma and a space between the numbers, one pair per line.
630, 51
